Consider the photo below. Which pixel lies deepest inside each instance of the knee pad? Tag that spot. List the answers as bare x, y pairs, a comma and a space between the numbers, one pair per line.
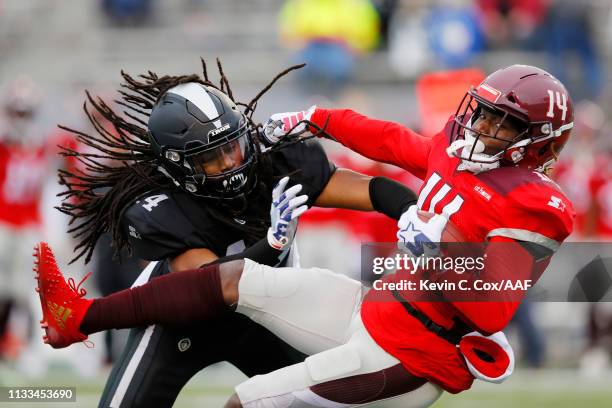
289, 386
260, 283
311, 309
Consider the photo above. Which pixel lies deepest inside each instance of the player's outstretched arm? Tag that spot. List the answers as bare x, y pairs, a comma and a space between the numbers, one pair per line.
287, 206
378, 140
351, 190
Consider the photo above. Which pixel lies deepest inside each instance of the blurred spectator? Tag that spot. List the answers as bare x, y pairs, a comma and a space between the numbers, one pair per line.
128, 12
571, 33
28, 157
454, 34
386, 10
512, 23
586, 172
23, 168
445, 36
601, 187
409, 53
531, 335
596, 359
329, 34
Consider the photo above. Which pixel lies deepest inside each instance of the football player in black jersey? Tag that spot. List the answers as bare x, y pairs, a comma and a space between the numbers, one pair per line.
195, 186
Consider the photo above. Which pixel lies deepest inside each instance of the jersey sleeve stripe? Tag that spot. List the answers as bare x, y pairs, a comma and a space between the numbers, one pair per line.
525, 235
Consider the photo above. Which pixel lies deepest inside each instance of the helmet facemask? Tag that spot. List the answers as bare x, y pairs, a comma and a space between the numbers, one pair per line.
470, 145
223, 171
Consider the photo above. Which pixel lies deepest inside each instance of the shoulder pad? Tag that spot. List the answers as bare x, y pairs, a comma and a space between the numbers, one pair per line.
156, 227
307, 164
505, 180
538, 213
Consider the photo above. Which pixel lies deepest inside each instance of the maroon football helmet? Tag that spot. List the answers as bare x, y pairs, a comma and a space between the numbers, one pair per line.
523, 95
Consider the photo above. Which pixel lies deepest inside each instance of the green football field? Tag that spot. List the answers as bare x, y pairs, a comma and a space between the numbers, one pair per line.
526, 388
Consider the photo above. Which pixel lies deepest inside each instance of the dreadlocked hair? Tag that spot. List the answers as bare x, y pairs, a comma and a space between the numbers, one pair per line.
119, 166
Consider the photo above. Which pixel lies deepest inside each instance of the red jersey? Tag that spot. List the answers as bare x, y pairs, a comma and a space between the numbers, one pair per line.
601, 189
23, 171
503, 204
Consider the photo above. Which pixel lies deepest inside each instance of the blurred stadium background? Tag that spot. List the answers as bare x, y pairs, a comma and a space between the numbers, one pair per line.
401, 60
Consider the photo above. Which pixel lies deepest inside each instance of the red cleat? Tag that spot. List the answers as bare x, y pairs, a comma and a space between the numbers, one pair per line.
62, 302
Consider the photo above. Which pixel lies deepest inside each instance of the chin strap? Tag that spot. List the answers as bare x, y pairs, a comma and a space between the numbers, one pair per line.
455, 146
469, 165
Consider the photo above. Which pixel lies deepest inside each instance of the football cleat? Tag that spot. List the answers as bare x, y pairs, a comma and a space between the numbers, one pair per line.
62, 301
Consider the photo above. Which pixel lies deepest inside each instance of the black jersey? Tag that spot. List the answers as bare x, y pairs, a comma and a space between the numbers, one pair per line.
164, 224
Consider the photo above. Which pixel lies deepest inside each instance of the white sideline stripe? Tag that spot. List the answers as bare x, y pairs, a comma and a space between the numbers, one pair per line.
128, 374
195, 94
438, 197
525, 235
431, 182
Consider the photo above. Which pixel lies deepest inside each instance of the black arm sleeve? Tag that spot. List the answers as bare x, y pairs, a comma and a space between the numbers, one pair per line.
390, 197
260, 252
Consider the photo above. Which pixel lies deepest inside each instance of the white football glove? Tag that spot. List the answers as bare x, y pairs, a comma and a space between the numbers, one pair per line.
279, 124
417, 237
286, 207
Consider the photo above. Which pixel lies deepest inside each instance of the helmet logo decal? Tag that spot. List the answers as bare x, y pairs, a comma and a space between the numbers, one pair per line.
557, 203
215, 132
490, 94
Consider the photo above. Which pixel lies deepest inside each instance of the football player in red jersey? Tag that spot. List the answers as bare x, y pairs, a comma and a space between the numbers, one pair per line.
485, 172
24, 163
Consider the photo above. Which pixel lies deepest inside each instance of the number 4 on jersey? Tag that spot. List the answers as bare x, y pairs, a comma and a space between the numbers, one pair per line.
153, 201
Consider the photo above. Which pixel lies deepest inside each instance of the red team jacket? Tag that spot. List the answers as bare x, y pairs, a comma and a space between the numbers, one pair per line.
23, 171
503, 204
